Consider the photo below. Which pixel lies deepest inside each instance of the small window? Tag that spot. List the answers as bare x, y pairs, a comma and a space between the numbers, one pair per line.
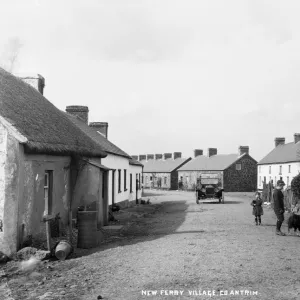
125, 178
238, 167
130, 183
150, 178
119, 180
289, 168
270, 170
165, 180
48, 184
280, 170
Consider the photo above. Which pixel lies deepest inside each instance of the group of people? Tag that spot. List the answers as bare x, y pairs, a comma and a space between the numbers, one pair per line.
278, 206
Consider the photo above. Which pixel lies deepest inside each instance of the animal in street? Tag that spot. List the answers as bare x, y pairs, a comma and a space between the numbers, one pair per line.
294, 222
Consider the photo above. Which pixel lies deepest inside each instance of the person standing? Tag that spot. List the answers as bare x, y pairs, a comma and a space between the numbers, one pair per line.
257, 208
279, 206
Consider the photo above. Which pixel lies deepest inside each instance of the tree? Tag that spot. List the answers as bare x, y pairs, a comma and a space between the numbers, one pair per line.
10, 54
295, 186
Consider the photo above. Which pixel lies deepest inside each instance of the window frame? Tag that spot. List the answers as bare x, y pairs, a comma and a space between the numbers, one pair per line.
125, 180
130, 184
240, 167
119, 181
48, 189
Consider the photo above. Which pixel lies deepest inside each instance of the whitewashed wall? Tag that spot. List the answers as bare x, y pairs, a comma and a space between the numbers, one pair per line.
118, 162
287, 174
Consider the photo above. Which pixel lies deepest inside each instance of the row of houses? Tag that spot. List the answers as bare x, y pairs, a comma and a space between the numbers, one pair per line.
52, 162
236, 172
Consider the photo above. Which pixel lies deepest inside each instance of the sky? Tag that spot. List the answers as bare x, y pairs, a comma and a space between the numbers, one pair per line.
167, 75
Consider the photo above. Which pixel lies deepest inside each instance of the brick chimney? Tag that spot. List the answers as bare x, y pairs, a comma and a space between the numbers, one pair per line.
167, 155
198, 152
37, 81
150, 156
296, 137
101, 127
279, 141
135, 157
176, 155
142, 157
243, 149
82, 112
158, 156
212, 151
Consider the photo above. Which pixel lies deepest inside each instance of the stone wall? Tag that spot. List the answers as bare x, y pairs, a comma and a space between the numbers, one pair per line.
243, 180
189, 178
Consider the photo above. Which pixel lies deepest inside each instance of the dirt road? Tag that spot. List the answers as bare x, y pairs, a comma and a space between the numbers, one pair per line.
183, 251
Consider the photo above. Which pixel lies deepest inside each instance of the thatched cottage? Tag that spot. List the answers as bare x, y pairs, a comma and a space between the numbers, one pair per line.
48, 165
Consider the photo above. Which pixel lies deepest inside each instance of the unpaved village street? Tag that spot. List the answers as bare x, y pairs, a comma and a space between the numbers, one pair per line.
181, 247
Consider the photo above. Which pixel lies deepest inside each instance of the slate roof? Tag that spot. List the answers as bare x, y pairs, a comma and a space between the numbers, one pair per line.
135, 162
47, 129
163, 166
289, 152
217, 162
104, 143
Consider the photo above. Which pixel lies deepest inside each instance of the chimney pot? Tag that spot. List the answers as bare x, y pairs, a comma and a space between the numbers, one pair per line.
158, 156
82, 112
279, 141
142, 157
243, 149
167, 155
296, 137
177, 155
212, 151
150, 156
198, 152
101, 127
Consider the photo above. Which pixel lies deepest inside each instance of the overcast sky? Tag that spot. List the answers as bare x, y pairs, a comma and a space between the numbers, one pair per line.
167, 75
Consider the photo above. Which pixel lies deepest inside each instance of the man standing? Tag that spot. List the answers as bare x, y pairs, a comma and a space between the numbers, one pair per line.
279, 205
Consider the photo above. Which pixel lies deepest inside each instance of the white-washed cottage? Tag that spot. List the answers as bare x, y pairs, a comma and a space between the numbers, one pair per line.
160, 171
48, 166
283, 162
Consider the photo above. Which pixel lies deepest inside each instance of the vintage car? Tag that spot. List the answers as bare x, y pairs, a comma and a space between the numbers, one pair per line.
209, 187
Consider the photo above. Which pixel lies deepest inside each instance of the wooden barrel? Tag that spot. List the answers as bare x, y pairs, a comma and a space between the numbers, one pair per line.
87, 229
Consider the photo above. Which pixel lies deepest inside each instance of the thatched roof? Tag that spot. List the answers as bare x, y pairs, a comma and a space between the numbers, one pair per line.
46, 128
106, 145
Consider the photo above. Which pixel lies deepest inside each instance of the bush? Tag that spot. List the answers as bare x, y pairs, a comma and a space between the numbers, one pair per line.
295, 186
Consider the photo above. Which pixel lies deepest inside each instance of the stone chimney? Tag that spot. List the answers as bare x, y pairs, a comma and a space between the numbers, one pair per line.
135, 157
243, 149
150, 156
142, 157
167, 155
198, 152
158, 156
101, 127
37, 81
296, 137
212, 151
82, 112
279, 141
176, 155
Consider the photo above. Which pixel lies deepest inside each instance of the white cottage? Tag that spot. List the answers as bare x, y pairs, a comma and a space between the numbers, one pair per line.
124, 176
283, 162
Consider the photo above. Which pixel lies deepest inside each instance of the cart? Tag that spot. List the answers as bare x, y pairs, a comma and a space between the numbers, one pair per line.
209, 187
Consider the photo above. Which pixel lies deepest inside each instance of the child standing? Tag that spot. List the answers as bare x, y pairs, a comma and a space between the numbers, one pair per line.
257, 208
